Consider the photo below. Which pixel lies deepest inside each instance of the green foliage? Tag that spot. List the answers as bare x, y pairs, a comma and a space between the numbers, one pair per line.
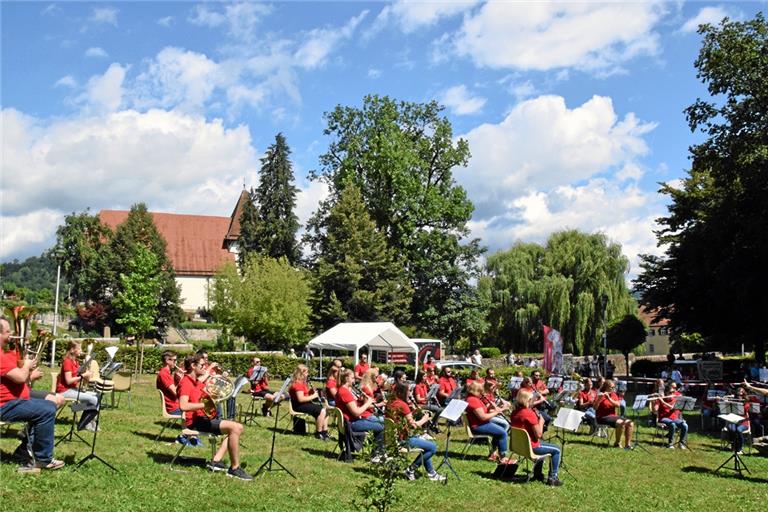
82, 241
357, 277
559, 284
32, 280
626, 335
137, 300
249, 220
712, 277
490, 352
400, 155
380, 492
267, 305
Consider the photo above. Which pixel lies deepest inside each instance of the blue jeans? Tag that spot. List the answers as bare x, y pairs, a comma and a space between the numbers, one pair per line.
40, 414
672, 426
737, 432
429, 447
554, 464
499, 438
500, 421
370, 424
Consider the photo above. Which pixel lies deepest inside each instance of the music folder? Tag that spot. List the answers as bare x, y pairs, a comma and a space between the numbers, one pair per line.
283, 389
454, 409
731, 418
568, 419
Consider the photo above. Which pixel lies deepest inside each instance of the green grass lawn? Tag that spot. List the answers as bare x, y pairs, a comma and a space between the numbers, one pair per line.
603, 478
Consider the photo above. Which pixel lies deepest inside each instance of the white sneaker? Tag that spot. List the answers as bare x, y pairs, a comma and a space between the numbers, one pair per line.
410, 474
671, 446
436, 477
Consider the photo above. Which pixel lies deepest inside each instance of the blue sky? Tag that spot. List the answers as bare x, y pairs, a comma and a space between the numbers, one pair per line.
573, 111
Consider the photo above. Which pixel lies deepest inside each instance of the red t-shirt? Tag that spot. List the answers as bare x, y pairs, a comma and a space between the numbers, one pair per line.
606, 408
447, 385
430, 379
330, 384
396, 411
258, 385
367, 391
479, 379
540, 386
587, 397
343, 397
361, 368
427, 366
192, 388
67, 365
669, 411
420, 393
10, 390
492, 380
525, 418
164, 382
472, 417
294, 390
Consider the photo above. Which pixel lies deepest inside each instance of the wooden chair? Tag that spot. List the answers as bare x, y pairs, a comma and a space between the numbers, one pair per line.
169, 419
520, 445
122, 384
471, 437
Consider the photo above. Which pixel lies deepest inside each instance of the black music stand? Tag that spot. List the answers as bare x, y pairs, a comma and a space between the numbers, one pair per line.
734, 419
76, 407
566, 420
452, 413
641, 401
685, 403
268, 464
93, 455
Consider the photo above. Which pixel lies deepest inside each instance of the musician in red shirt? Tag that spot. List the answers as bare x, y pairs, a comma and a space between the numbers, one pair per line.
420, 391
584, 403
357, 414
473, 377
429, 363
430, 377
17, 405
480, 421
191, 389
167, 382
361, 367
490, 375
671, 417
304, 400
69, 380
260, 385
531, 421
605, 405
332, 384
737, 430
447, 385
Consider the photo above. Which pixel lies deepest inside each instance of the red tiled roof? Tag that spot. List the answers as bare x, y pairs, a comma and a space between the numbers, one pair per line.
648, 317
195, 242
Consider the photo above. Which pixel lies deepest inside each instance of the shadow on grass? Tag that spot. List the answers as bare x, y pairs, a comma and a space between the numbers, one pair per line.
512, 478
723, 473
166, 458
326, 454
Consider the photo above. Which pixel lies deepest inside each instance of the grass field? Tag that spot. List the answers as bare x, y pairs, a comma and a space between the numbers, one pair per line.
602, 478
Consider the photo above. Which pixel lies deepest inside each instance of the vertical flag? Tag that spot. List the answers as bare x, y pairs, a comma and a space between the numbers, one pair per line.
553, 350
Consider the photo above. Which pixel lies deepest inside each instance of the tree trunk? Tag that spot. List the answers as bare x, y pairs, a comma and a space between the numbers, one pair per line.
626, 362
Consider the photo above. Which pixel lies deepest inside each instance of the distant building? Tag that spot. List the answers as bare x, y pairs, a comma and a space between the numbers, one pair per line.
197, 245
657, 341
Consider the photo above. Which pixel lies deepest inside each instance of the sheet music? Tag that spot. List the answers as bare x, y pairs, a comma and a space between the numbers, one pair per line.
568, 419
731, 418
571, 385
554, 382
283, 390
514, 383
730, 407
684, 403
258, 373
239, 383
432, 393
640, 402
454, 410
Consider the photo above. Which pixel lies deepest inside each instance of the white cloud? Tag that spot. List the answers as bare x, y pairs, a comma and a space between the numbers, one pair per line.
460, 101
171, 161
104, 93
522, 90
105, 15
544, 35
66, 81
374, 73
711, 15
96, 51
321, 42
241, 18
50, 10
165, 21
32, 233
412, 15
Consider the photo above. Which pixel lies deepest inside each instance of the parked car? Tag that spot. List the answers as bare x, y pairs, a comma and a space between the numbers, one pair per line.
458, 365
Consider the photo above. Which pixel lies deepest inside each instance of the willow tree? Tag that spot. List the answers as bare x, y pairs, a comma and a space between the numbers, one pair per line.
560, 284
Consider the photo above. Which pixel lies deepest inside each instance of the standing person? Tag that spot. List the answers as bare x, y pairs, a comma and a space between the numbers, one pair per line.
479, 419
671, 417
362, 367
190, 400
605, 405
302, 400
68, 382
357, 414
400, 413
17, 405
260, 386
525, 417
476, 358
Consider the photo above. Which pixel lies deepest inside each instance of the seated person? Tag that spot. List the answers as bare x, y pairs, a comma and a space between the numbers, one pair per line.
584, 403
167, 382
260, 386
495, 403
399, 412
737, 429
369, 387
430, 377
429, 363
447, 385
605, 405
361, 367
490, 375
479, 419
671, 417
190, 401
527, 418
539, 392
69, 381
357, 412
473, 377
303, 400
332, 384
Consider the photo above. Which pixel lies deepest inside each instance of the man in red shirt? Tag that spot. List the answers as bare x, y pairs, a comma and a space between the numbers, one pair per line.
430, 377
526, 418
361, 367
17, 405
429, 363
167, 382
447, 385
190, 400
670, 417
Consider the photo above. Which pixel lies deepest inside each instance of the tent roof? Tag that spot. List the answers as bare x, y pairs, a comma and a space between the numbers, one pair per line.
376, 335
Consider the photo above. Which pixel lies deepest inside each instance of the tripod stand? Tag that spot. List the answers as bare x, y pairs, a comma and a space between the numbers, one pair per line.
76, 407
93, 455
452, 413
446, 460
267, 465
636, 436
738, 463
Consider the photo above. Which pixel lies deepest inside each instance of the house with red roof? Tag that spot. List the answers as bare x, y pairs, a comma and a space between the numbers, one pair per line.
657, 340
197, 245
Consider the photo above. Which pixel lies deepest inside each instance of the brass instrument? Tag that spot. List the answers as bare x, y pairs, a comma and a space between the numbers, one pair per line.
43, 338
217, 389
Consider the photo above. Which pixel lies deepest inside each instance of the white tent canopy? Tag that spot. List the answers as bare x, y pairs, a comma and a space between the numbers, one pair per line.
352, 337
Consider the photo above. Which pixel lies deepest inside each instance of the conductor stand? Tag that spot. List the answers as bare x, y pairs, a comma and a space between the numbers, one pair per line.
738, 463
269, 464
567, 420
641, 402
452, 413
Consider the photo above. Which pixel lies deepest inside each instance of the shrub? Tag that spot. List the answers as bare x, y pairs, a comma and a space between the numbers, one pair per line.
490, 352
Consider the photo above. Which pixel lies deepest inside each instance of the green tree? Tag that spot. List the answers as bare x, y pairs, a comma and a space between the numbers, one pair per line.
711, 279
138, 230
82, 241
357, 277
139, 295
247, 242
275, 198
268, 304
626, 335
560, 284
400, 155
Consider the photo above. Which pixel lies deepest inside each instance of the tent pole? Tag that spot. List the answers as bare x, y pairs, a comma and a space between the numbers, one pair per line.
320, 367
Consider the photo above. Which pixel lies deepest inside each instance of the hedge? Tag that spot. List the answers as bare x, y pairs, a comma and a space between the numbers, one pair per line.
490, 352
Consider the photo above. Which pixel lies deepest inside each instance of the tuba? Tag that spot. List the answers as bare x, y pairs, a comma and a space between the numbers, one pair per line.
217, 389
